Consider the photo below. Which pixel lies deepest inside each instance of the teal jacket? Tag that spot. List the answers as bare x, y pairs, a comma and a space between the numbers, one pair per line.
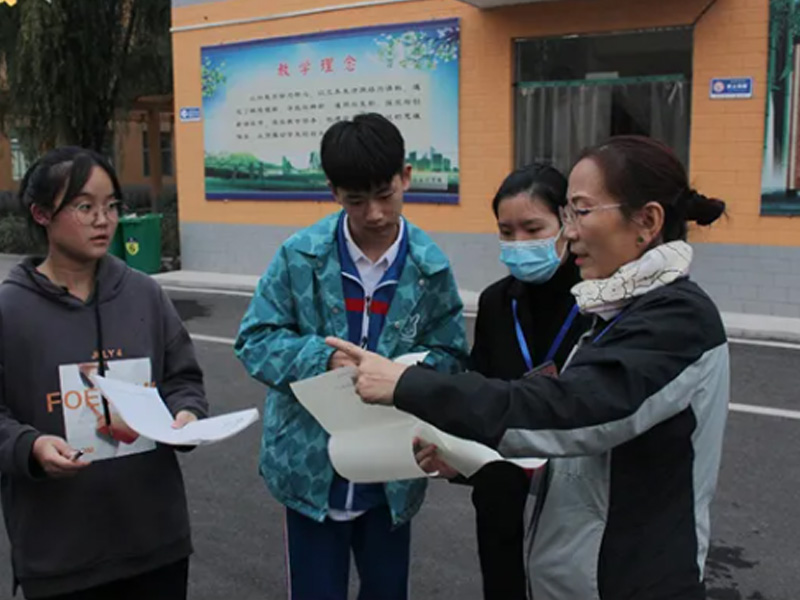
299, 301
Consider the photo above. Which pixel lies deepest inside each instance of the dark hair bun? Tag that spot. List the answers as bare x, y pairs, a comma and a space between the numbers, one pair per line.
702, 209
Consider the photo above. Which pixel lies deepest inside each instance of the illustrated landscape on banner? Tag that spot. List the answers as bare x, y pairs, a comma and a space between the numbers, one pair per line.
267, 104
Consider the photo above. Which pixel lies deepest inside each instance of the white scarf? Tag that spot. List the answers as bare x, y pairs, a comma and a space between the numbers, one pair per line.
655, 268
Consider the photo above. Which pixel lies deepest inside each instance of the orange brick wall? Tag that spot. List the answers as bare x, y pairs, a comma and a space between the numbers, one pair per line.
127, 155
128, 150
727, 136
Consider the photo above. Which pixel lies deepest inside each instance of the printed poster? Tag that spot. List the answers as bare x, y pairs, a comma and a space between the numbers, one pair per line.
267, 104
84, 418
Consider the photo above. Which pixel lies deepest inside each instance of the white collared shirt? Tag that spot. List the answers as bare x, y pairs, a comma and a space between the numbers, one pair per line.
370, 274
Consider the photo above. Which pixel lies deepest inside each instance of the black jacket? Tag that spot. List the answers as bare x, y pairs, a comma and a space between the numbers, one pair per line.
633, 427
542, 310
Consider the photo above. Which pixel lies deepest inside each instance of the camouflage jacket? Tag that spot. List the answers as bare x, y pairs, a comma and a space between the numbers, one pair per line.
299, 301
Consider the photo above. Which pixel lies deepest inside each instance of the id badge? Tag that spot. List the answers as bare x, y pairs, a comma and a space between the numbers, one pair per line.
547, 369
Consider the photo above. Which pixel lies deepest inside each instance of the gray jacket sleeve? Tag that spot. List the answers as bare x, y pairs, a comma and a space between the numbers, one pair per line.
659, 358
181, 386
16, 439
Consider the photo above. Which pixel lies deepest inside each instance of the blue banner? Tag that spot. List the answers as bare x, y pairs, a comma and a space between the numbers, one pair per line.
267, 103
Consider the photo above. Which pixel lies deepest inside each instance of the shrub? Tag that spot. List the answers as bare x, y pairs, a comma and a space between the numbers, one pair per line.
15, 238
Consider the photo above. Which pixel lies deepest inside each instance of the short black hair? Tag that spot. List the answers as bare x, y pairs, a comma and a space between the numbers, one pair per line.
362, 154
538, 180
64, 169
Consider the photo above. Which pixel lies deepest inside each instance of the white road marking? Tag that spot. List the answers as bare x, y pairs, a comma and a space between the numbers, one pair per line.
766, 343
210, 291
781, 413
212, 339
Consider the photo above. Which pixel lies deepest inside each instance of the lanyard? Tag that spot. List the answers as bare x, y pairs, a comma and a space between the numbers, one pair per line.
607, 327
523, 344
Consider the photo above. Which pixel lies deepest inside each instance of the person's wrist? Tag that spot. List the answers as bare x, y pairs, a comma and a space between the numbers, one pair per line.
33, 451
330, 353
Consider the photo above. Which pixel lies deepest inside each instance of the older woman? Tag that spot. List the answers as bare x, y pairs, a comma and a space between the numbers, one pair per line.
634, 424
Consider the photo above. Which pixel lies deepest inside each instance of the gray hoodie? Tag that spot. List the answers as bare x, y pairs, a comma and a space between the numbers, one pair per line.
125, 514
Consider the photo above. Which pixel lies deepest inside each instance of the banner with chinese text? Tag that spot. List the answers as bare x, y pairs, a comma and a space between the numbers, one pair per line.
267, 104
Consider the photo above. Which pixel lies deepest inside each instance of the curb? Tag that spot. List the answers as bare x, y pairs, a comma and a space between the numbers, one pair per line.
764, 328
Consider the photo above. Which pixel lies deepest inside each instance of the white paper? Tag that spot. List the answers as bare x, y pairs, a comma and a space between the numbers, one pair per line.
390, 456
372, 443
144, 411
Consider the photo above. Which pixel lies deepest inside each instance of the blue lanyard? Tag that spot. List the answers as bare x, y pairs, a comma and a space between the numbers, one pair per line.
607, 327
523, 344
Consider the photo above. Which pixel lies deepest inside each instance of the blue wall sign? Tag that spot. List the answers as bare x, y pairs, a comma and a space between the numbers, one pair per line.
731, 88
189, 114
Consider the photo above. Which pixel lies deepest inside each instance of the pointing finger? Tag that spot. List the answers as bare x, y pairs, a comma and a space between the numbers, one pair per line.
353, 351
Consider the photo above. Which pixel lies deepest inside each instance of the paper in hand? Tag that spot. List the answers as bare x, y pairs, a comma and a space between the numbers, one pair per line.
145, 412
372, 443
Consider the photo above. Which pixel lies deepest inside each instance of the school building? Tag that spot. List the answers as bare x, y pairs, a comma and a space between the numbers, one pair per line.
519, 81
141, 160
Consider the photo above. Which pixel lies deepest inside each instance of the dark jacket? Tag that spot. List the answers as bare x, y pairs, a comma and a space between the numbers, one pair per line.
126, 513
501, 490
634, 428
542, 310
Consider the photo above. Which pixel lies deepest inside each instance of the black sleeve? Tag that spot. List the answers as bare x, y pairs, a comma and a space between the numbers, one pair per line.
643, 371
480, 357
182, 386
16, 439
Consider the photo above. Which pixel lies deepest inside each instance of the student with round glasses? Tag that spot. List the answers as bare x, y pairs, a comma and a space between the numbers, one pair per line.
633, 425
87, 213
93, 511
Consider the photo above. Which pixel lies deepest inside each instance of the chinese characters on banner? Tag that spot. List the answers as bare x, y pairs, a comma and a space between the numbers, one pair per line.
295, 113
267, 105
326, 66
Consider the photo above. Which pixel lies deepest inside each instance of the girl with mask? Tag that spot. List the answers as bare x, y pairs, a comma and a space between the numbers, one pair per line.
633, 425
525, 321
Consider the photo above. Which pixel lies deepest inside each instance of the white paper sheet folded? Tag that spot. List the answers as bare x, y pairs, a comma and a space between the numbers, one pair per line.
145, 412
371, 443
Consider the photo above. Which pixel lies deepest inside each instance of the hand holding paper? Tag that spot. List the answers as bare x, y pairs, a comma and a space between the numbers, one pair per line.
372, 443
145, 412
377, 376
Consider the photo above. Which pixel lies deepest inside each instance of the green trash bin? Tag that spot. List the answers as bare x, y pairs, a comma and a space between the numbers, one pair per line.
117, 247
141, 237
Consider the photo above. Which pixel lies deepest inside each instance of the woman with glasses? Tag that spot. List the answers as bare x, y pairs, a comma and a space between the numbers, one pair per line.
92, 510
633, 425
527, 323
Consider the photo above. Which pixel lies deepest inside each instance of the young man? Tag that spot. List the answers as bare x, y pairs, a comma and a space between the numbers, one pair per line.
368, 275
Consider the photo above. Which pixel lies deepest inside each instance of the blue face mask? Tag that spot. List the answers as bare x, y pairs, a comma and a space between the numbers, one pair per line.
532, 261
